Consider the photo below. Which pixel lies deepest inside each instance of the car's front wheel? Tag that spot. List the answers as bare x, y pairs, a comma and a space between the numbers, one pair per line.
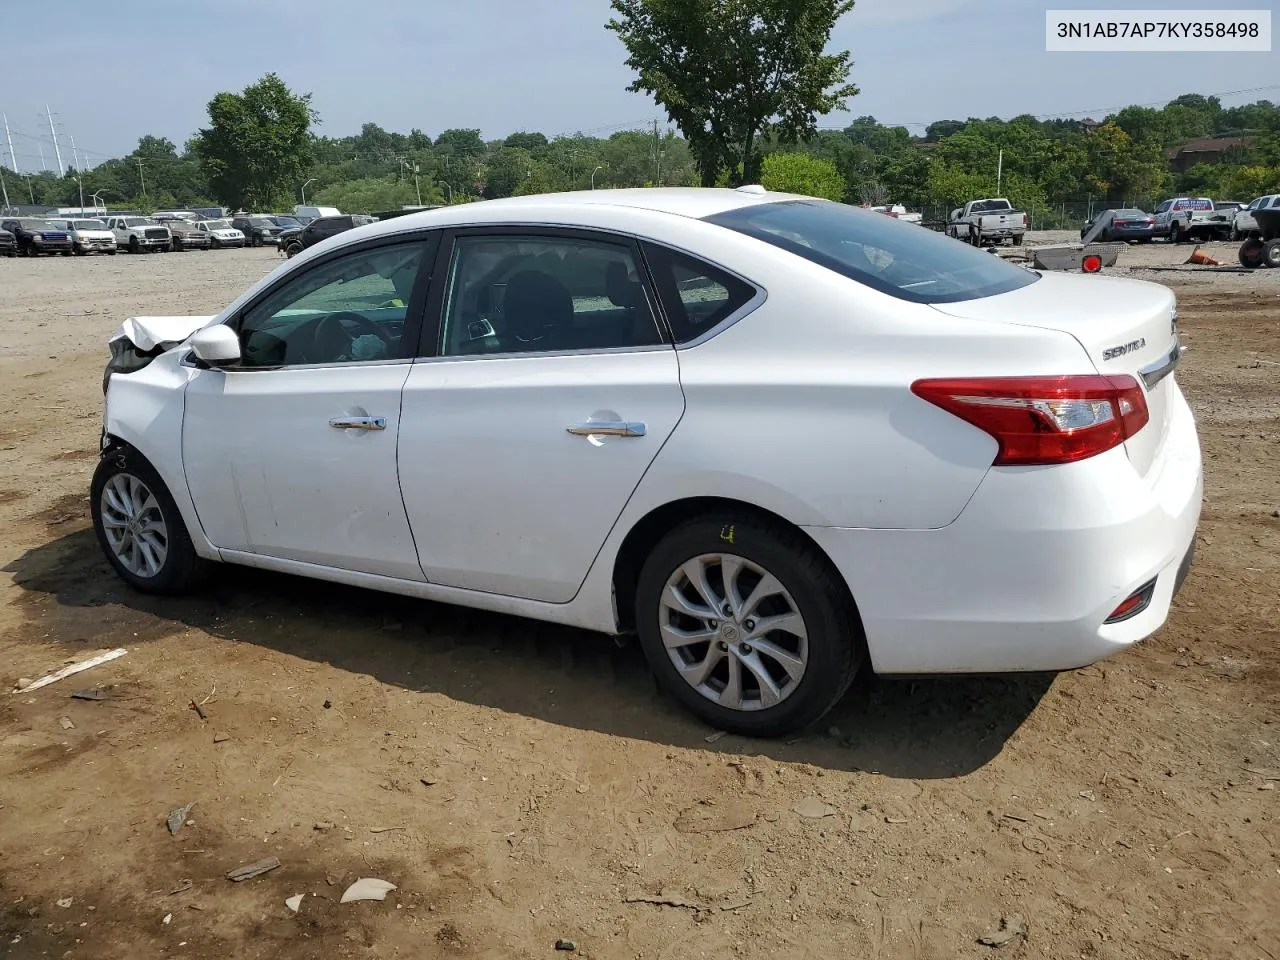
139, 527
745, 623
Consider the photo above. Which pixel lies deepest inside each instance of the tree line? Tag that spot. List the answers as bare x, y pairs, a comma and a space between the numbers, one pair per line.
1045, 162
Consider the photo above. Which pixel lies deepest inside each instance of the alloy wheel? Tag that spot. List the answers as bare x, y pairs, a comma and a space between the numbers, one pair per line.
134, 525
733, 632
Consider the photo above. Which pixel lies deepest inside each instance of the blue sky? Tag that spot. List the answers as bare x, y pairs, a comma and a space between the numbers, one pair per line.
111, 72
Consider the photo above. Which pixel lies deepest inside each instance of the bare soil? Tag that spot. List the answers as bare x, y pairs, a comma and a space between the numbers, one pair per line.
520, 783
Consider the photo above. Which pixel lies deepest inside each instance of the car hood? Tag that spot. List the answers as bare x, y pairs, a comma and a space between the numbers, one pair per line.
227, 234
94, 234
147, 333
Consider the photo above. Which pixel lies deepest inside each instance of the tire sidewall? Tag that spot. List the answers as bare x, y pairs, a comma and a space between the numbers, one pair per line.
835, 641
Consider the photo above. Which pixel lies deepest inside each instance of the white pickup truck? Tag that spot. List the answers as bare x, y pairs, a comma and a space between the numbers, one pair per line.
986, 221
136, 234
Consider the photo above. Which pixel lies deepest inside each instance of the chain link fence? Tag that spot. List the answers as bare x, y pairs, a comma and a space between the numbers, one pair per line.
1060, 215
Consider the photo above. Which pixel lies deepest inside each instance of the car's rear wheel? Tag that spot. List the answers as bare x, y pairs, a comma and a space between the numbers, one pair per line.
745, 623
139, 527
1271, 253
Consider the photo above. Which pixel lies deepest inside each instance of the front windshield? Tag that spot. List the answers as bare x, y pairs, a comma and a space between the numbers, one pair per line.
286, 222
885, 253
36, 225
217, 225
90, 225
260, 222
138, 222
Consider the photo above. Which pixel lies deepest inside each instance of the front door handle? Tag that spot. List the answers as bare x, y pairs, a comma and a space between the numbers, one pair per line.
359, 423
607, 428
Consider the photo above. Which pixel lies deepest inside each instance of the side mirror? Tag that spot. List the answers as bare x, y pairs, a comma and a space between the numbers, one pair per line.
217, 346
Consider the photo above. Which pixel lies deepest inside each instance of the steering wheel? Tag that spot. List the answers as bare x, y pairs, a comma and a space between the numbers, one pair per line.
333, 338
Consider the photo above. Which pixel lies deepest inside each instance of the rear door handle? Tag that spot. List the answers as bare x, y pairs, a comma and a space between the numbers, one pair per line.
607, 428
359, 423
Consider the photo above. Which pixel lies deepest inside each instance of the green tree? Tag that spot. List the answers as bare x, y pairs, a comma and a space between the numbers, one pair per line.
729, 71
258, 143
801, 173
526, 141
374, 194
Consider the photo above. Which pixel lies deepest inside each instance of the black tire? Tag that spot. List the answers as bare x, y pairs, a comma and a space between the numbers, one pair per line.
215, 243
1017, 239
182, 569
134, 246
835, 640
66, 253
112, 252
1251, 253
292, 250
1271, 253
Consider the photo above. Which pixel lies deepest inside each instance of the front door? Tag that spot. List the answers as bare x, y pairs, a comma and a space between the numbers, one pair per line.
550, 392
292, 454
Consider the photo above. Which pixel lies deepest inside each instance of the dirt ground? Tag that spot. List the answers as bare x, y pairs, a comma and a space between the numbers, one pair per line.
520, 783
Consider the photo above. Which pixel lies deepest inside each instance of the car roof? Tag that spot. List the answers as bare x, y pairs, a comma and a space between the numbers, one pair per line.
693, 202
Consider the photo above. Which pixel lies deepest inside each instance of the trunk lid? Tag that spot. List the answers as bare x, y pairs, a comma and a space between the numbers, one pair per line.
1125, 326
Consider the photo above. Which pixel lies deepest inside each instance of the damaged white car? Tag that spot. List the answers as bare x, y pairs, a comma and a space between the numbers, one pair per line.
778, 438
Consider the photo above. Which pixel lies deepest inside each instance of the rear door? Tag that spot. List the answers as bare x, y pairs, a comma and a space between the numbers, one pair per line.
543, 394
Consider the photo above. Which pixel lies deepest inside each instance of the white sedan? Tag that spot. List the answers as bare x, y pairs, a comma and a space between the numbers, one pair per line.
780, 439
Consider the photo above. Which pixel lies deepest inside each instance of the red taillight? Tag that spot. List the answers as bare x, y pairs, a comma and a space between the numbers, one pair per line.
1119, 223
1091, 264
1043, 420
1133, 604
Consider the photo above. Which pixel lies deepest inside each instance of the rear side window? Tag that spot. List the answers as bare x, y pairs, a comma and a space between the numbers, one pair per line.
696, 295
901, 259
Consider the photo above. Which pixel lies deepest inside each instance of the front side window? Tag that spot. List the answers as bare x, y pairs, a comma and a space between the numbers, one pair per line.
514, 294
345, 310
884, 253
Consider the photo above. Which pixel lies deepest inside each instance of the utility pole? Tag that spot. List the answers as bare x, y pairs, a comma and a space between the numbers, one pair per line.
999, 172
13, 160
4, 188
75, 157
657, 162
142, 179
54, 133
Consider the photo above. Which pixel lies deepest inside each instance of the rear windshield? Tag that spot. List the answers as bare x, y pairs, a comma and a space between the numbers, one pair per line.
990, 206
889, 255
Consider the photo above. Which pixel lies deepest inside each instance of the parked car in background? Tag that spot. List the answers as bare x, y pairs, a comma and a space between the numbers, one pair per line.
285, 222
1128, 223
187, 236
88, 235
140, 234
623, 423
35, 236
899, 212
1244, 224
294, 242
8, 243
164, 216
308, 213
993, 220
1183, 219
221, 233
258, 229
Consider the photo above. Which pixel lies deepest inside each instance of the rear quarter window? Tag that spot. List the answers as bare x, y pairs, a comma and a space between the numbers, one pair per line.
696, 296
901, 259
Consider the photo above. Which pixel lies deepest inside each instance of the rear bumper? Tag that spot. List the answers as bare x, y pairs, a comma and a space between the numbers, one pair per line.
1026, 576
